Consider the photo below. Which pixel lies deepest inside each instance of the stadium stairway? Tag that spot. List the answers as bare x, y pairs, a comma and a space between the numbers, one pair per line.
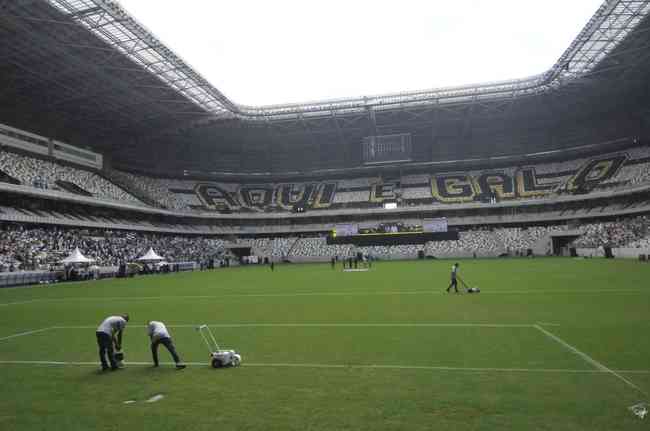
130, 187
293, 246
501, 245
544, 245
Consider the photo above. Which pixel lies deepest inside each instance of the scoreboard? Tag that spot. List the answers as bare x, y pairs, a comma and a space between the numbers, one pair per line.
386, 149
346, 229
431, 225
435, 225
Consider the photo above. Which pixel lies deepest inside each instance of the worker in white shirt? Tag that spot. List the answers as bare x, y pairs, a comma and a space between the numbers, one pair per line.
109, 334
454, 276
157, 332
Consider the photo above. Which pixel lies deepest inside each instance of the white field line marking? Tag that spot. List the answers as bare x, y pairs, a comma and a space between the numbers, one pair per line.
225, 295
344, 366
6, 304
566, 291
441, 368
26, 333
588, 358
425, 292
548, 324
433, 292
332, 325
155, 398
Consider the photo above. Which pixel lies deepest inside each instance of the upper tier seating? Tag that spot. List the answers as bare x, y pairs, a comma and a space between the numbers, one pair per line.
45, 174
612, 171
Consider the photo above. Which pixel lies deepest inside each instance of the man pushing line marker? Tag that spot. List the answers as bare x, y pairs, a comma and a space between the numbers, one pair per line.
157, 332
454, 274
454, 281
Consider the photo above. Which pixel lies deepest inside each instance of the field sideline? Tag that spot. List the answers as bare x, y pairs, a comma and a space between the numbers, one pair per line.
550, 343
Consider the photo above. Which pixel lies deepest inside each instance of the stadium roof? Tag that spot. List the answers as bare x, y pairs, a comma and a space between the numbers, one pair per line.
259, 52
608, 27
87, 72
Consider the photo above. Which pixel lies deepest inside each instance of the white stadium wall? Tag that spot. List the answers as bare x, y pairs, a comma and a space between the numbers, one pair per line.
619, 252
36, 144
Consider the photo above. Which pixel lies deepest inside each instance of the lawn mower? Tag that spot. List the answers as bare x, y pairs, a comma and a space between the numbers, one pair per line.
469, 289
218, 358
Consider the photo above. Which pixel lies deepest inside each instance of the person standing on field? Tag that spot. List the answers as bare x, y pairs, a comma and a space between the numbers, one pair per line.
454, 276
109, 334
157, 332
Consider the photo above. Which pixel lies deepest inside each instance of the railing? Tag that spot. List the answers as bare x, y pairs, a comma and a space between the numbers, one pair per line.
21, 278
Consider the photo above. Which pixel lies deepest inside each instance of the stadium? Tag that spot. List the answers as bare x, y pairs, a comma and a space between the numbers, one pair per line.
317, 239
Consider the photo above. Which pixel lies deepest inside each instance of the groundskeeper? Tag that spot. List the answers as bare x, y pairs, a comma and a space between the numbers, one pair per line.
109, 334
158, 333
454, 281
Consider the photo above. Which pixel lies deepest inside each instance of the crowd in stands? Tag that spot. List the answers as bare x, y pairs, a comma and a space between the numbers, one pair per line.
629, 232
475, 241
159, 190
416, 188
318, 247
45, 174
634, 174
179, 195
29, 247
36, 247
641, 243
486, 241
519, 240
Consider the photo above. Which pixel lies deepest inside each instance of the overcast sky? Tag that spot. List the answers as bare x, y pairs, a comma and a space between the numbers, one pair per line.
283, 51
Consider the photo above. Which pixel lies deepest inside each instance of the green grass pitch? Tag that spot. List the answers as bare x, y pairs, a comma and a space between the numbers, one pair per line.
549, 344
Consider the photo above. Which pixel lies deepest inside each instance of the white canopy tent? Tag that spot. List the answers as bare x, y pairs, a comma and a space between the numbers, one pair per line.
150, 256
76, 257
